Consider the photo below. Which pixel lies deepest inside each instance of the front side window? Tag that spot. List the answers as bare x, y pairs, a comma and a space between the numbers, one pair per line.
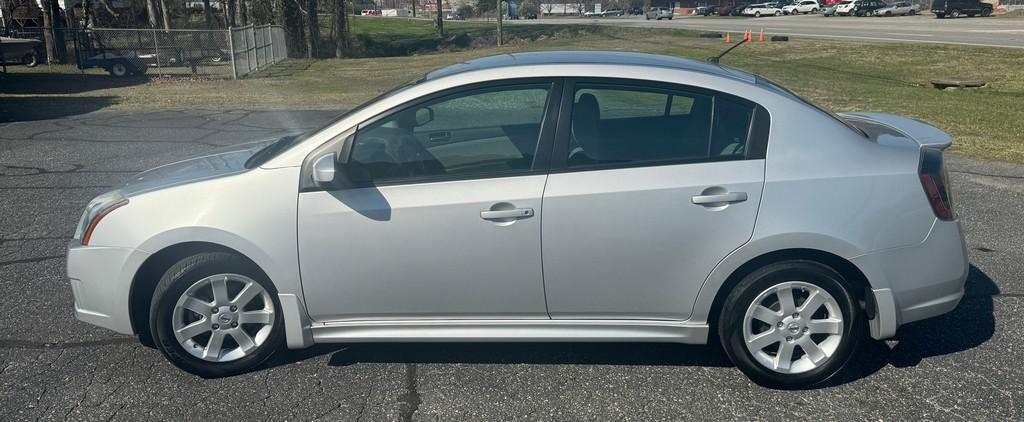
483, 132
613, 124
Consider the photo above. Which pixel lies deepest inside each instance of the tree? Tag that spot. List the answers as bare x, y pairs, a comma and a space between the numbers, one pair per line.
440, 20
151, 11
209, 14
166, 15
229, 13
48, 30
340, 28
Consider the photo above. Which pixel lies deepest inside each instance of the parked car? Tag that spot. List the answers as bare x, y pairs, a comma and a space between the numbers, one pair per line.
711, 11
612, 13
659, 13
762, 9
20, 50
710, 228
830, 10
454, 16
859, 7
803, 7
900, 8
636, 11
736, 10
371, 12
958, 8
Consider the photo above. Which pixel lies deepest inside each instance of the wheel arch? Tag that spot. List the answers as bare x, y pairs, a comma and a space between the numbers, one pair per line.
144, 282
858, 282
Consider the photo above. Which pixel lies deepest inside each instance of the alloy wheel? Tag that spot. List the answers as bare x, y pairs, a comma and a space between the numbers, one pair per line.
793, 327
223, 317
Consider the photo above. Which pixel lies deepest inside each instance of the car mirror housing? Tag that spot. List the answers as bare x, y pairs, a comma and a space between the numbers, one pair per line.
325, 170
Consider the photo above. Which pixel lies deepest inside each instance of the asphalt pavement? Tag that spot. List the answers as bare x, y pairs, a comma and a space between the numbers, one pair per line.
988, 32
963, 365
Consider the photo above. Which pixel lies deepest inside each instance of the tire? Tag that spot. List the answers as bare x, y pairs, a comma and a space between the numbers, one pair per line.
119, 69
888, 13
801, 278
986, 12
814, 11
189, 284
30, 60
940, 16
955, 13
778, 13
757, 14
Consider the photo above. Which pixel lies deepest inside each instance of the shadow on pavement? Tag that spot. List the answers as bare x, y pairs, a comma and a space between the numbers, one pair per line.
968, 326
23, 109
47, 83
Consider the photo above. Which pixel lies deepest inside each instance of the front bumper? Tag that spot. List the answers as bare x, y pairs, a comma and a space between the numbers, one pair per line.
917, 282
101, 279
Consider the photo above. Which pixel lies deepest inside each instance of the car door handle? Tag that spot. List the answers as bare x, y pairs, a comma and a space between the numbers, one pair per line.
439, 136
719, 198
515, 213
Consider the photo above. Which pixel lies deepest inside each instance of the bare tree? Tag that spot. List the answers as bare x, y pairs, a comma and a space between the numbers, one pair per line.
311, 25
209, 14
151, 11
440, 20
229, 13
166, 13
340, 28
243, 13
48, 30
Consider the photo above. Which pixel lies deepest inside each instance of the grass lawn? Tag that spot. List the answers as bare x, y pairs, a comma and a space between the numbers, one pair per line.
986, 122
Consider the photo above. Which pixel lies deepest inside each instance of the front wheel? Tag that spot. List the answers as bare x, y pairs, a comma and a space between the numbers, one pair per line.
955, 13
757, 14
30, 60
216, 314
778, 13
986, 12
791, 324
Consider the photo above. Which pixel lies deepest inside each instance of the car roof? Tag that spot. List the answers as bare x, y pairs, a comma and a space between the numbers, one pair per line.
591, 58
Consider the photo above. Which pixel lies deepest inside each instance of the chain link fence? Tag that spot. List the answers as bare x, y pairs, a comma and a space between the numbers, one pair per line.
231, 53
256, 47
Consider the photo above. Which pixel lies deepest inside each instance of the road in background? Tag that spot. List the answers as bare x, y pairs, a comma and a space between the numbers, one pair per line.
988, 32
962, 365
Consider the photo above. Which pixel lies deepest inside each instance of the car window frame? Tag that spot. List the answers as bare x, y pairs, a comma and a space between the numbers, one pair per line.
758, 128
541, 157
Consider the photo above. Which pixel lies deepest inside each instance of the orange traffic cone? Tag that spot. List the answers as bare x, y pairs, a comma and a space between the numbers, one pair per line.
761, 37
727, 39
747, 37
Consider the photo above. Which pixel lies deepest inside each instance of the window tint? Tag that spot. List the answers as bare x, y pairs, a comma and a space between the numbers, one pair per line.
481, 132
620, 124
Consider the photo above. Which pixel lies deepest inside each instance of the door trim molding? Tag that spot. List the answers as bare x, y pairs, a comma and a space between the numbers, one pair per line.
510, 331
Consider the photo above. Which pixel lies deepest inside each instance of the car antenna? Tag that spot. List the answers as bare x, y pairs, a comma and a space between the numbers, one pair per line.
715, 59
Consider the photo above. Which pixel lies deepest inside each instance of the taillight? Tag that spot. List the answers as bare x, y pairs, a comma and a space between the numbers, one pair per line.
936, 183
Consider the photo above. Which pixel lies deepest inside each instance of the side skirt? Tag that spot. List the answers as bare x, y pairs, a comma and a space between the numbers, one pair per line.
510, 331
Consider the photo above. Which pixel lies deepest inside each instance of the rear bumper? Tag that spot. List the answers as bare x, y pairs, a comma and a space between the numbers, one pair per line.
101, 279
917, 282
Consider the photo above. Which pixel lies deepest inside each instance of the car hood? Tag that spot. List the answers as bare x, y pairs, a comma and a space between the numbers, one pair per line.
218, 163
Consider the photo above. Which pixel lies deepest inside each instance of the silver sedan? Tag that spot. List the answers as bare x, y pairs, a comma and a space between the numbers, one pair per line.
557, 196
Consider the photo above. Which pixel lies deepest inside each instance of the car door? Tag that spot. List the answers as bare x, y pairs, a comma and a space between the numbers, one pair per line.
651, 186
443, 220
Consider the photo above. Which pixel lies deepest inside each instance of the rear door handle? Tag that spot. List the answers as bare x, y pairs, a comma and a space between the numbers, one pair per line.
439, 136
720, 198
515, 213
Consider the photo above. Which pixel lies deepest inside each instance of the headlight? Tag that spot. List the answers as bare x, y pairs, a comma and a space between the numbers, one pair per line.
95, 211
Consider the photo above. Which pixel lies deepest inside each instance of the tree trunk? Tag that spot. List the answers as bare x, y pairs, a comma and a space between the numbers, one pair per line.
340, 28
229, 13
243, 13
312, 28
499, 24
151, 12
166, 15
440, 20
209, 14
48, 31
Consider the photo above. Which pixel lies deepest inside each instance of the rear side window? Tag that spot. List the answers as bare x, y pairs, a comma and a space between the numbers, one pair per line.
633, 125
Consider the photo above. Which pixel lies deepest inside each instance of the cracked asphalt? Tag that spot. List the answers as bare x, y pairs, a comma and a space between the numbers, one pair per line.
963, 365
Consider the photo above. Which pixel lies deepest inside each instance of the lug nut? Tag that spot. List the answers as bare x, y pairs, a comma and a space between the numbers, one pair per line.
780, 324
796, 315
216, 327
234, 308
788, 338
234, 324
805, 329
215, 310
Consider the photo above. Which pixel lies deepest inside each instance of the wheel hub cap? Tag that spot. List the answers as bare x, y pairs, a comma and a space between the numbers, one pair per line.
793, 327
223, 317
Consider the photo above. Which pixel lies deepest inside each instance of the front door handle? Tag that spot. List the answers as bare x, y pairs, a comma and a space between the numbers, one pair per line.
515, 213
720, 198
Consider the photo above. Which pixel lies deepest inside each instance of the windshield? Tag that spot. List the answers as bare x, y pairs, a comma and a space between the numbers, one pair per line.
782, 90
281, 145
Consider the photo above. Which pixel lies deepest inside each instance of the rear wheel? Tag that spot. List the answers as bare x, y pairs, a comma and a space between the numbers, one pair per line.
216, 314
778, 13
30, 60
955, 13
119, 69
791, 324
986, 12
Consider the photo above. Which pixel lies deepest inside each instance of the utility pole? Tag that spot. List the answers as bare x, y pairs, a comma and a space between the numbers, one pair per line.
499, 24
440, 20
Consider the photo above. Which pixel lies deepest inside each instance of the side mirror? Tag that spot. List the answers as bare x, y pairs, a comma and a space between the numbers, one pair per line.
424, 115
324, 170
